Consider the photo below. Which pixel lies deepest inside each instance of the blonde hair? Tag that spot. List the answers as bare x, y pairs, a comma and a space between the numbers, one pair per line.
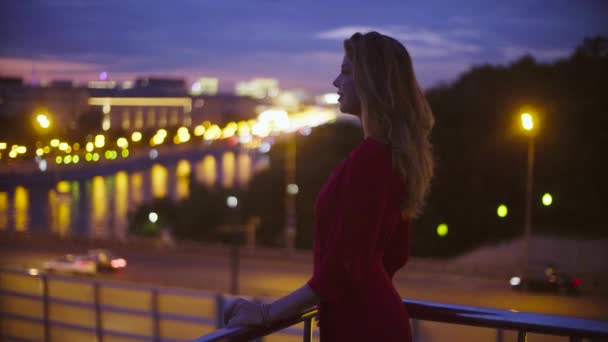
389, 93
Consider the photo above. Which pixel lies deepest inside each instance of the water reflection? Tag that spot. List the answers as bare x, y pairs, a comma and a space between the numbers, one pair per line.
21, 209
244, 169
182, 177
206, 171
228, 170
121, 205
60, 211
100, 206
159, 181
3, 210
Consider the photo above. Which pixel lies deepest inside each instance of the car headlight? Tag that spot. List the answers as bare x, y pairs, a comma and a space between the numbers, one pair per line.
515, 281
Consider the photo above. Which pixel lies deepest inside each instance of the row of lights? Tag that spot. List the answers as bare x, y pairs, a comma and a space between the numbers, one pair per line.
502, 211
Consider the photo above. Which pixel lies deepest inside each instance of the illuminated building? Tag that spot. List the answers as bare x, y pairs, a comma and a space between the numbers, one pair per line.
259, 88
204, 86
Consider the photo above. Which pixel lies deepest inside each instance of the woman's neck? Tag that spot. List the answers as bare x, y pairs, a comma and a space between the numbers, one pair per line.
371, 128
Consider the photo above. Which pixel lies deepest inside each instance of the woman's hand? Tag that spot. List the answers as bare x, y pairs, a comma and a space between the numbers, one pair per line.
242, 312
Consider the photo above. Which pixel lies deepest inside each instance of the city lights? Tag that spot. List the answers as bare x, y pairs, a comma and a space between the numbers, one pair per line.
122, 143
547, 199
43, 120
136, 136
199, 130
100, 141
153, 217
527, 121
55, 142
442, 229
502, 211
232, 202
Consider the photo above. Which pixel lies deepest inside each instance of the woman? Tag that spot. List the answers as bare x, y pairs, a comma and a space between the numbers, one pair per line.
363, 212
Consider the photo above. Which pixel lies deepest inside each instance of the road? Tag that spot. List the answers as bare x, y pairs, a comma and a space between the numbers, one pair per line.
266, 276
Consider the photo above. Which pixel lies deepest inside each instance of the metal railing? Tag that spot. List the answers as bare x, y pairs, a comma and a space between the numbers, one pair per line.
521, 322
38, 307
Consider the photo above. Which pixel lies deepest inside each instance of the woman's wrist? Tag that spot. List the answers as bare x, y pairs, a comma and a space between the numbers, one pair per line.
266, 316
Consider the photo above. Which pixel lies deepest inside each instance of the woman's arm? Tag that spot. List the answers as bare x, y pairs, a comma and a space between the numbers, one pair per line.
294, 303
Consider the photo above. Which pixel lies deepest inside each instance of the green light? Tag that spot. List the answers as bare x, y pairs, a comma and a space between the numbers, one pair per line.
442, 229
125, 153
547, 199
67, 159
58, 159
502, 211
95, 156
88, 157
108, 154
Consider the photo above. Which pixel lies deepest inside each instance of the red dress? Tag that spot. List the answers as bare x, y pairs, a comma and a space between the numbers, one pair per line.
360, 242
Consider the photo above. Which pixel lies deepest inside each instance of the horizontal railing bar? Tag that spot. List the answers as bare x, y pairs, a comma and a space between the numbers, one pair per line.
113, 308
447, 313
246, 334
77, 327
11, 338
506, 319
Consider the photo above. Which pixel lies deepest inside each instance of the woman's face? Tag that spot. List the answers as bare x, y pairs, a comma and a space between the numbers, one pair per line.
349, 100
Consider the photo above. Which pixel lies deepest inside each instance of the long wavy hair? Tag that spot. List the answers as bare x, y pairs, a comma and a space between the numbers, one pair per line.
390, 94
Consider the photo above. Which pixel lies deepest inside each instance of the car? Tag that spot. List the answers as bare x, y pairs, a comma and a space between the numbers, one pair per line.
72, 264
106, 260
548, 280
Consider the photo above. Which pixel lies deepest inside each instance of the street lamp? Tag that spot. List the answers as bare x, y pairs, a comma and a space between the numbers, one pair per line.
232, 203
43, 120
527, 123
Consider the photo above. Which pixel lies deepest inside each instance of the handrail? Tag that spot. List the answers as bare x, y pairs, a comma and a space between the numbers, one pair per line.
522, 322
248, 333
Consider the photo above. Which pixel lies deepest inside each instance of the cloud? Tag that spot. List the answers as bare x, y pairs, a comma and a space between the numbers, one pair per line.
546, 54
422, 43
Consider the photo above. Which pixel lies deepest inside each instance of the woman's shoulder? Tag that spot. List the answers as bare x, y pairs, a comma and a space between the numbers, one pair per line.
369, 157
370, 150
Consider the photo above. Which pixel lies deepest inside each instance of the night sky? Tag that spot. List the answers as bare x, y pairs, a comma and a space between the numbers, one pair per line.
296, 41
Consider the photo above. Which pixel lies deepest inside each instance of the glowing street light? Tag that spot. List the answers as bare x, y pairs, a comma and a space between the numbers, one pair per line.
527, 122
153, 217
547, 199
502, 211
232, 202
43, 120
442, 229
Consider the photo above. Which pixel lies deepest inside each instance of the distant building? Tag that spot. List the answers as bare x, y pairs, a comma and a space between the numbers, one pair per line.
259, 88
146, 104
61, 102
205, 86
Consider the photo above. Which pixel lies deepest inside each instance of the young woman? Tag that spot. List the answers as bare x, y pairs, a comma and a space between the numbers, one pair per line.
364, 210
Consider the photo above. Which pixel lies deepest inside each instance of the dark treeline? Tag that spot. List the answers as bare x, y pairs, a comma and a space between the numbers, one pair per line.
481, 154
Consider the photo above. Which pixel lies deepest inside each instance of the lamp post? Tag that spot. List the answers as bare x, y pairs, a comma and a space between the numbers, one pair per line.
232, 202
527, 122
290, 193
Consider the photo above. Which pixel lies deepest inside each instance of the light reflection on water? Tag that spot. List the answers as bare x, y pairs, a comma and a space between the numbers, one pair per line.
100, 206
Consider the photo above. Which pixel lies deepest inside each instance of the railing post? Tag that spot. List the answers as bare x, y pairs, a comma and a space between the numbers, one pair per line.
219, 313
499, 334
45, 307
307, 330
155, 315
414, 329
522, 336
98, 320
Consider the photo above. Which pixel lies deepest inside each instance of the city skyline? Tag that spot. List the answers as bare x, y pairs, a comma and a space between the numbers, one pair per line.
298, 43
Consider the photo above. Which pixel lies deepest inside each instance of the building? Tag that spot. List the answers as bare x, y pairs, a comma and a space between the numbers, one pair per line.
205, 86
259, 88
61, 102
